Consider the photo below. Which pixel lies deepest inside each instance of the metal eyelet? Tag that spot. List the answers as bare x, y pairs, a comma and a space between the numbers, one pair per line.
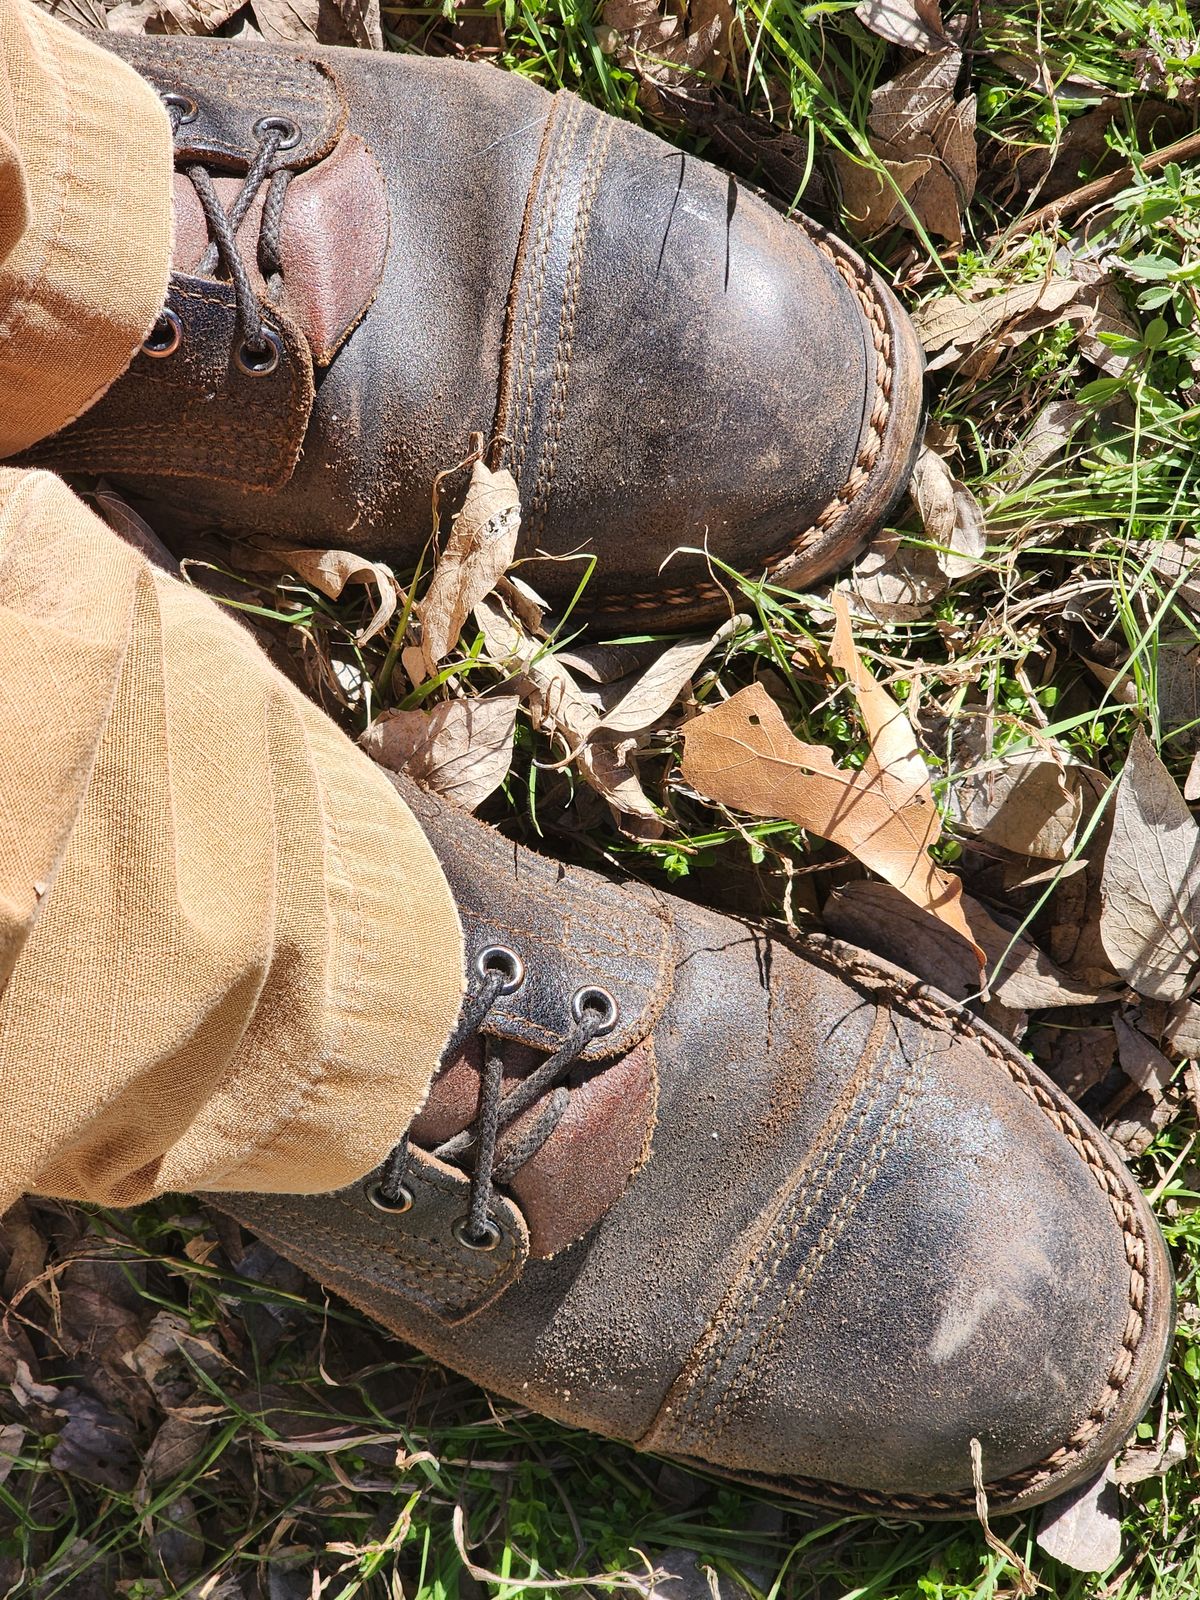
257, 362
491, 1234
290, 133
499, 958
164, 337
402, 1202
188, 109
596, 999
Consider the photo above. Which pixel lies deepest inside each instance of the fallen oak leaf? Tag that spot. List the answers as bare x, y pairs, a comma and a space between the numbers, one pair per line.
459, 748
743, 754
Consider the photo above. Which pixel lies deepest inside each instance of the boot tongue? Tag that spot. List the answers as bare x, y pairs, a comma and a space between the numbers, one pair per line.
584, 1166
333, 241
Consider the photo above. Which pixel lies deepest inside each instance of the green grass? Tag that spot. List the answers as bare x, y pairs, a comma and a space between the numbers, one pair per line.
262, 1509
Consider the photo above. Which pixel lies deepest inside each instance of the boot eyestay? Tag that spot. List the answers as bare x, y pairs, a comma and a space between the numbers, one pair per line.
397, 1201
486, 1238
180, 109
259, 348
596, 1002
289, 133
259, 357
498, 970
164, 337
498, 958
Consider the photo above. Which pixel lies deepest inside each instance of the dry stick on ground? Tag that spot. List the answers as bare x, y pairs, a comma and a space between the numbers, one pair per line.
1102, 188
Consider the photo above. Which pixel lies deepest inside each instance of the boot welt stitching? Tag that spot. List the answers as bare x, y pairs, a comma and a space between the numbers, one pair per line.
589, 188
798, 1207
525, 376
767, 1341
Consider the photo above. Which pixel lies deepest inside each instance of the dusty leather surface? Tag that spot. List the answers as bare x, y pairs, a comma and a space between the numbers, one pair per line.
663, 358
866, 1231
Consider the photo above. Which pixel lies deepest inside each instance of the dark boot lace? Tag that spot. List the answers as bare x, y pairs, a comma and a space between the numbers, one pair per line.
499, 971
259, 346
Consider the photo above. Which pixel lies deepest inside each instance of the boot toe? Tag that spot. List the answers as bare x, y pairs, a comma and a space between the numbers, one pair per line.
966, 1260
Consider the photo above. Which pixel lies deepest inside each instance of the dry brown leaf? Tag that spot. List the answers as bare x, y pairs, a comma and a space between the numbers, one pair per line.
871, 199
949, 326
1151, 880
1142, 1062
1177, 686
12, 1437
459, 748
1082, 1528
171, 16
743, 754
1017, 974
950, 514
481, 545
673, 47
1049, 436
1027, 802
925, 141
912, 24
1150, 1460
558, 705
329, 571
894, 581
657, 690
320, 21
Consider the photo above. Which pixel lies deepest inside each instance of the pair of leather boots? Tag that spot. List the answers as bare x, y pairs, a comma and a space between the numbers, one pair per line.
773, 1207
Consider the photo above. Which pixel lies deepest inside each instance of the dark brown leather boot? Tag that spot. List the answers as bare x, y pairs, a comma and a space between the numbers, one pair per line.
778, 1209
426, 250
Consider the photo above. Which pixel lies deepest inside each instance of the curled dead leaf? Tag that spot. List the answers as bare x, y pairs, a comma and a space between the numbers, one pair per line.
894, 580
1151, 880
1026, 801
672, 46
743, 754
656, 691
924, 141
912, 24
480, 548
951, 327
557, 705
329, 572
951, 515
459, 748
1017, 973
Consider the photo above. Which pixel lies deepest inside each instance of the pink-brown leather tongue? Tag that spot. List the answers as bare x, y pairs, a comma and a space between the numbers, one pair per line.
333, 241
586, 1163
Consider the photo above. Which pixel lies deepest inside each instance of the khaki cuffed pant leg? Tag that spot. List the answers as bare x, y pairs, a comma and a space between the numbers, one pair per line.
228, 957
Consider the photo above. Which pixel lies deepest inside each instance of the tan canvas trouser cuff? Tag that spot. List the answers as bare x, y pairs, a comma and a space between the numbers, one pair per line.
85, 240
228, 956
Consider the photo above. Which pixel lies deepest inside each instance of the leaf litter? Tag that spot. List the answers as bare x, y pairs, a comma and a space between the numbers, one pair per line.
999, 585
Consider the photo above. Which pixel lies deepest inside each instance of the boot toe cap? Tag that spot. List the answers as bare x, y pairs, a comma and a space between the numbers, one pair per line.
968, 1261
